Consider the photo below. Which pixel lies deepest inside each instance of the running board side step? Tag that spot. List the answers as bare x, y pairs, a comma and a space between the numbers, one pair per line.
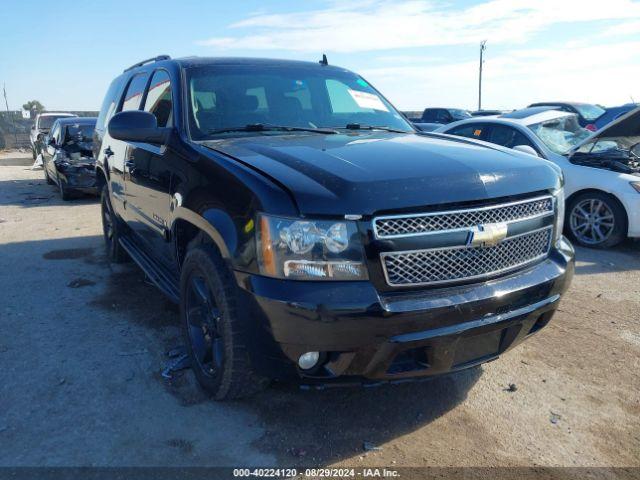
150, 267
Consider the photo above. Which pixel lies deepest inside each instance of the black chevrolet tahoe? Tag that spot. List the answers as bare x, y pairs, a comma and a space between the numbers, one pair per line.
309, 233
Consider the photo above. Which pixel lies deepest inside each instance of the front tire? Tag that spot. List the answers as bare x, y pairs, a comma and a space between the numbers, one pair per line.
215, 331
46, 176
596, 220
111, 229
64, 193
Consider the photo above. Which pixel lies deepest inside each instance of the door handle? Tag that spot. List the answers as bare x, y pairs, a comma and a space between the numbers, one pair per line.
108, 152
130, 164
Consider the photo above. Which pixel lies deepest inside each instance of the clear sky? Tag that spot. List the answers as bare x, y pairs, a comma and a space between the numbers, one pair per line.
418, 53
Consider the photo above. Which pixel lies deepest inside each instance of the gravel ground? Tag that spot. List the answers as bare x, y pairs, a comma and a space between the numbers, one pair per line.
83, 345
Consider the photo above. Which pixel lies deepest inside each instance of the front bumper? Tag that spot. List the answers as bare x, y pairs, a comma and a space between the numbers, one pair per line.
392, 336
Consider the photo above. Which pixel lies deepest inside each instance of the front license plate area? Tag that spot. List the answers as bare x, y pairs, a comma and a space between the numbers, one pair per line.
477, 347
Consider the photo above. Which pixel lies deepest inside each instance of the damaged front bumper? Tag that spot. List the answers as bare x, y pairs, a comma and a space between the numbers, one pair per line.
366, 335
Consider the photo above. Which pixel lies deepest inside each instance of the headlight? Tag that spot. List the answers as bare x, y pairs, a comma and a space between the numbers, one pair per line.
636, 186
559, 201
310, 249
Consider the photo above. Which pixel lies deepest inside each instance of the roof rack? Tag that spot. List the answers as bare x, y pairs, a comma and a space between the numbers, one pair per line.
148, 60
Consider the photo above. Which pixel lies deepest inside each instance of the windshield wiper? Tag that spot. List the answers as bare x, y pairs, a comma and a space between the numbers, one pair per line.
265, 127
358, 126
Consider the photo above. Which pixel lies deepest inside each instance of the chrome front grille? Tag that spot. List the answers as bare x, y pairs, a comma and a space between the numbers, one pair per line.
444, 265
394, 226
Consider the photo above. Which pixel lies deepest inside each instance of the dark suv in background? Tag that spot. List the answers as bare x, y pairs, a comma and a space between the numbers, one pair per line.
309, 233
67, 156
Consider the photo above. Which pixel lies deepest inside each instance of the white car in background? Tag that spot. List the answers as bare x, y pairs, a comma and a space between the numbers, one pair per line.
601, 169
41, 127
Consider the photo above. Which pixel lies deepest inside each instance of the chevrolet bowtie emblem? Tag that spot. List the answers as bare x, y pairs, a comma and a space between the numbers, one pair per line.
488, 235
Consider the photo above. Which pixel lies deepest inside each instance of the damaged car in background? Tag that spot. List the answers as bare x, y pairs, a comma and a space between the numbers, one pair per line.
68, 160
602, 169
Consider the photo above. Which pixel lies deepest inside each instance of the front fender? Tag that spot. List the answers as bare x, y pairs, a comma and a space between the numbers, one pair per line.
215, 223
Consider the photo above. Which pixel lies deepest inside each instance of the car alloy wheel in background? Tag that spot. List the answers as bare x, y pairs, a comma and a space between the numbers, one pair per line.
596, 220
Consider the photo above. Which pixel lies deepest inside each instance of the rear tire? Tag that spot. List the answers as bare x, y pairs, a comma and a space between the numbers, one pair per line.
213, 326
111, 229
596, 220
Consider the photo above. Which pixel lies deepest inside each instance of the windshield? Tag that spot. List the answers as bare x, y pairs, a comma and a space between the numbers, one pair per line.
560, 134
48, 121
299, 96
589, 112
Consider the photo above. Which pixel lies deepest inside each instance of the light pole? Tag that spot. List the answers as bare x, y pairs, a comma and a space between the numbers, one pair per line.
483, 46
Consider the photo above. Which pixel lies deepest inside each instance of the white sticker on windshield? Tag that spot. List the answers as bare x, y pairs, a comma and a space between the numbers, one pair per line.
368, 100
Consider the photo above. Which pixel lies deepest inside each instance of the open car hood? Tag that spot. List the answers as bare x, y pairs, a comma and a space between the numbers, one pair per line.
628, 125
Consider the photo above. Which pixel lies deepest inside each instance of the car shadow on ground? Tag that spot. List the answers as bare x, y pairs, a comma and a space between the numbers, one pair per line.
623, 257
326, 426
36, 193
300, 426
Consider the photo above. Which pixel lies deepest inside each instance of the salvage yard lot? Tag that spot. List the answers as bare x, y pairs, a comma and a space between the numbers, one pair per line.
83, 344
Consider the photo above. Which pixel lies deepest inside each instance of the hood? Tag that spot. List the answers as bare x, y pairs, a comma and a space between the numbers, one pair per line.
627, 125
375, 172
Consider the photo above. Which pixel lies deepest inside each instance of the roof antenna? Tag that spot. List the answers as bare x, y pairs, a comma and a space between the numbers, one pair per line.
324, 61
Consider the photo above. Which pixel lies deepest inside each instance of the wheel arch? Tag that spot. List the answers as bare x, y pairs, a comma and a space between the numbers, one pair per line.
188, 224
101, 178
575, 194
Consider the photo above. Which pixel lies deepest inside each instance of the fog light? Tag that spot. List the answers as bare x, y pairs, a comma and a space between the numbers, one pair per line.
308, 360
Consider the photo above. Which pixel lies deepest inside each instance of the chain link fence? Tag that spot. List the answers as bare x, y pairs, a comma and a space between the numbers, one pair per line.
14, 129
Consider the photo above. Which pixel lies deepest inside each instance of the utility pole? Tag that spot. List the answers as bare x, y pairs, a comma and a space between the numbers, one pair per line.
6, 102
483, 46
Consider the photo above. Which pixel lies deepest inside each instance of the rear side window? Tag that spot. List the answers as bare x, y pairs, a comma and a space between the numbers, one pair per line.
507, 137
133, 97
158, 99
443, 116
429, 115
470, 131
109, 104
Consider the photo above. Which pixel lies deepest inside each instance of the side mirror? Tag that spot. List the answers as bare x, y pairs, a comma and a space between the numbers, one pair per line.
526, 149
51, 141
33, 127
137, 126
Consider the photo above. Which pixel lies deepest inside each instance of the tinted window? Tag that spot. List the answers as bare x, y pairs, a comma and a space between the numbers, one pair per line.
109, 104
443, 116
158, 99
429, 115
134, 92
470, 131
507, 137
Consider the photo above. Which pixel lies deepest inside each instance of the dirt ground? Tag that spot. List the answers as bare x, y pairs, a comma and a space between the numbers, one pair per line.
83, 345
